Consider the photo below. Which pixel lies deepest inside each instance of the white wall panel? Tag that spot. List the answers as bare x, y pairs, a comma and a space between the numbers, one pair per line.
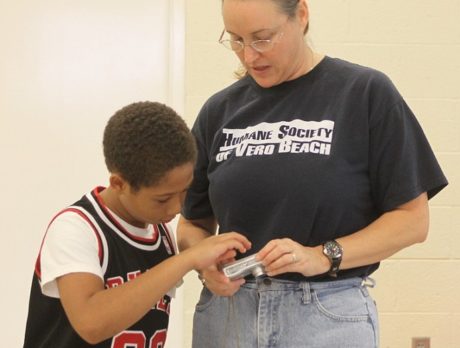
65, 68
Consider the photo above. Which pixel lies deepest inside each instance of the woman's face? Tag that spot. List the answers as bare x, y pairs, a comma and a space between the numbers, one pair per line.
250, 20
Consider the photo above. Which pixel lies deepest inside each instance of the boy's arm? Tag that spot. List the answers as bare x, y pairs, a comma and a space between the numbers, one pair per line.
97, 313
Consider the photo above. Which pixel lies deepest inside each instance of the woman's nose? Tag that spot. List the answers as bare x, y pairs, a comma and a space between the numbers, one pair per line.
249, 54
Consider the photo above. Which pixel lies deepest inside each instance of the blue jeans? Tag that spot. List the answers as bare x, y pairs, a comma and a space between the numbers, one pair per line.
272, 313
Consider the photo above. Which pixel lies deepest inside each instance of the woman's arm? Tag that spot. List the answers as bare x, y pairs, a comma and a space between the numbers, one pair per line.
393, 231
190, 232
390, 233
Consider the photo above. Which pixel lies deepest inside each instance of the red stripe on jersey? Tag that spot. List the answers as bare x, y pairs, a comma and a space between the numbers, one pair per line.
170, 239
81, 214
150, 241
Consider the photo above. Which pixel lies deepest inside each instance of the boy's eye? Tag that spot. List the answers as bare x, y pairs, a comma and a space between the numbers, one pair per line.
163, 200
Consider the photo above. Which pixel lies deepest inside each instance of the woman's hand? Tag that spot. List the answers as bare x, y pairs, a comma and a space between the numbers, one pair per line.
285, 255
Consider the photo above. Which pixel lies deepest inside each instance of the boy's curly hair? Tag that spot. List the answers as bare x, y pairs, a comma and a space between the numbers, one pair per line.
145, 140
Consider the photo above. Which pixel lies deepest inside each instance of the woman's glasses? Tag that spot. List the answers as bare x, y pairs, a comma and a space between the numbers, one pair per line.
258, 45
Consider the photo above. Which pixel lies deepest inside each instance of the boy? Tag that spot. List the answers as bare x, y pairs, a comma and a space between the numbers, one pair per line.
106, 263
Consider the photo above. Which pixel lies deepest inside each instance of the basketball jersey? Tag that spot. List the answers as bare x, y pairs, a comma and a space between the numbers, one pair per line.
123, 257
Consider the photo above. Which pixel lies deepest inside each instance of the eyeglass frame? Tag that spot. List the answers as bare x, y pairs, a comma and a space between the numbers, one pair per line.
242, 45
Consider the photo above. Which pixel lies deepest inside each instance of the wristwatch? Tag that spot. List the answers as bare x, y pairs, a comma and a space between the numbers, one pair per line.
334, 252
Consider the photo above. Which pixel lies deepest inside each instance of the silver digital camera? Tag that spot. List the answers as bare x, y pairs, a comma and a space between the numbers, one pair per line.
242, 267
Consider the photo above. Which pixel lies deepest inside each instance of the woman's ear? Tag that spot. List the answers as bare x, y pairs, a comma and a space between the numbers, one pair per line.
303, 14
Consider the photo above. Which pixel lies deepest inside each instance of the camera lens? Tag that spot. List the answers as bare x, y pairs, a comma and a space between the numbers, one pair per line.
258, 271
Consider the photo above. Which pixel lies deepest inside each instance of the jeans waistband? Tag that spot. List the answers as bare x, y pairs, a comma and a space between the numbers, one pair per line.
274, 284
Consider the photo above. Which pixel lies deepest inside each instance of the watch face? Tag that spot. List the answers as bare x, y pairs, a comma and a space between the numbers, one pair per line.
333, 249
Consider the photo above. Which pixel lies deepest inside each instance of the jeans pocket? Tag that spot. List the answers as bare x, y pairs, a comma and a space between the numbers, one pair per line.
206, 299
342, 304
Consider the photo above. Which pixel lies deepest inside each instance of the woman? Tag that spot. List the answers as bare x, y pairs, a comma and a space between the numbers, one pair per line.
322, 166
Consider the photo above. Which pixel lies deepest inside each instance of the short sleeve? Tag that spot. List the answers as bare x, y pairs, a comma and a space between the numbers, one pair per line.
70, 245
197, 204
402, 163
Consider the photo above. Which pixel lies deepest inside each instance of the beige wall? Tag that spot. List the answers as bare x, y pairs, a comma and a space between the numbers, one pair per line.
416, 43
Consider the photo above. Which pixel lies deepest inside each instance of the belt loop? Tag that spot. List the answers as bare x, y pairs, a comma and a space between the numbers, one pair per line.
306, 295
368, 282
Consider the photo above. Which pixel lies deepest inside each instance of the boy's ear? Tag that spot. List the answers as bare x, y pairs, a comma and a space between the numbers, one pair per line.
117, 182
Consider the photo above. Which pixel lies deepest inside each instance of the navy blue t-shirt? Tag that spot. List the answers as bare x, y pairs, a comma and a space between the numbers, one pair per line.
312, 159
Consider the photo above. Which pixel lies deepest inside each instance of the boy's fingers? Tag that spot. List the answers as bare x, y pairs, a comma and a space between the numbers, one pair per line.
238, 242
240, 238
228, 255
224, 261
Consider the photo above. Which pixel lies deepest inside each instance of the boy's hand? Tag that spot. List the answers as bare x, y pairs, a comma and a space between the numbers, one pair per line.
214, 249
211, 252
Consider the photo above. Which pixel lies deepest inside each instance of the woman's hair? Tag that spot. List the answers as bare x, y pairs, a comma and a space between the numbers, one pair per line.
145, 140
288, 7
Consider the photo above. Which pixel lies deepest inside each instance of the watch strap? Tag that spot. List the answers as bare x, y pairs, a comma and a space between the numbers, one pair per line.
334, 251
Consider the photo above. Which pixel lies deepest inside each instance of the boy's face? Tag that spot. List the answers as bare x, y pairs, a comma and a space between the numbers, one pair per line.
158, 203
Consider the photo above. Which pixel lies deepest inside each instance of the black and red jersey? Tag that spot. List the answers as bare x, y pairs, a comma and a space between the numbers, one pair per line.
123, 256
